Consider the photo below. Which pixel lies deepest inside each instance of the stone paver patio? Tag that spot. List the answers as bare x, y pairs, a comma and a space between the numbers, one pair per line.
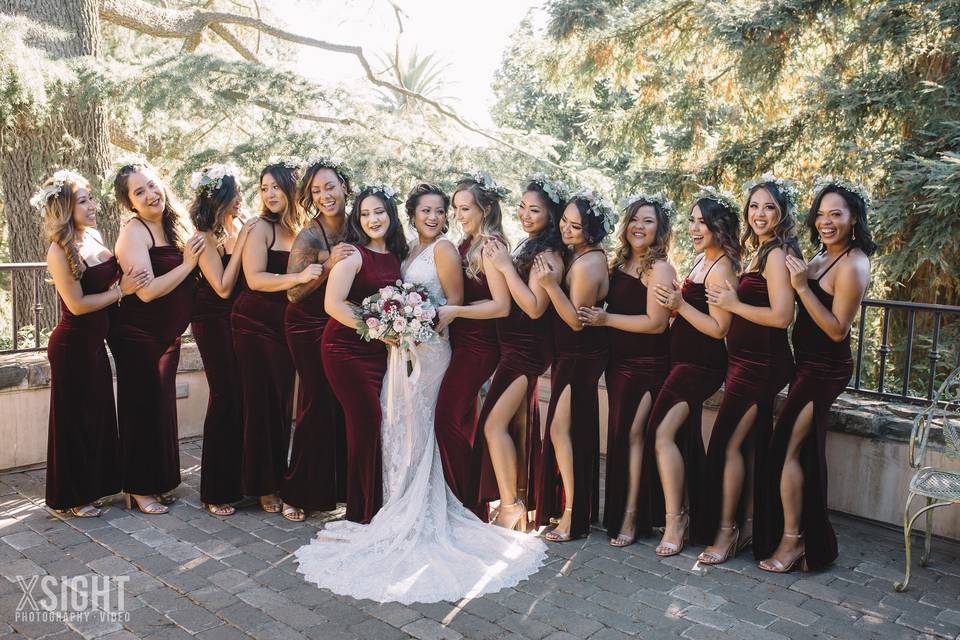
191, 574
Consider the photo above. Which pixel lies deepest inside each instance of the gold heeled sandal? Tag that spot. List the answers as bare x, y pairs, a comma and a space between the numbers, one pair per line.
668, 549
775, 566
711, 557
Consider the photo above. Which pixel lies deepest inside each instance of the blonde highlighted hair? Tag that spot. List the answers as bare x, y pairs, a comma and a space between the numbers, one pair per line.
58, 220
293, 217
661, 242
491, 228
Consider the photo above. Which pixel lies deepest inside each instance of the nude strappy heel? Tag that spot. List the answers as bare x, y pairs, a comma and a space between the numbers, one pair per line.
667, 549
775, 566
710, 557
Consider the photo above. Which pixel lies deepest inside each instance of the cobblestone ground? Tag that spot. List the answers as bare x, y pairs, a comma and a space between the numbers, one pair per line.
191, 574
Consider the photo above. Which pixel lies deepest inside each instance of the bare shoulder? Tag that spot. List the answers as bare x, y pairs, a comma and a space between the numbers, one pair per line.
662, 271
722, 271
309, 235
446, 249
351, 262
55, 252
857, 263
553, 257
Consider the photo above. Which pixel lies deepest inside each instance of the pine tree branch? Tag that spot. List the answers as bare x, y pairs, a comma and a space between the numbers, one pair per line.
234, 42
147, 18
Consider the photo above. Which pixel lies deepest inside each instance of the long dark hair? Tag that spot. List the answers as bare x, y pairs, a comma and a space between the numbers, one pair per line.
861, 237
784, 232
210, 207
548, 239
661, 241
293, 216
395, 240
172, 219
424, 189
725, 224
592, 225
305, 198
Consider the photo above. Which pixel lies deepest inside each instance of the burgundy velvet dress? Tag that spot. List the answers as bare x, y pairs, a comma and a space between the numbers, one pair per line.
223, 424
145, 341
822, 373
83, 449
638, 364
579, 358
526, 347
266, 377
475, 353
356, 369
316, 478
697, 367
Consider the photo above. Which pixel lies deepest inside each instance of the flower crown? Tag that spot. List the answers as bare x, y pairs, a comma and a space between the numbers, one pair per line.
386, 190
133, 159
598, 206
39, 199
209, 179
723, 198
652, 198
488, 184
556, 190
330, 162
786, 187
290, 162
822, 182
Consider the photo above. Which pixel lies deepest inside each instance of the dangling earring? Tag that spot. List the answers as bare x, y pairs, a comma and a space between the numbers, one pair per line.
853, 234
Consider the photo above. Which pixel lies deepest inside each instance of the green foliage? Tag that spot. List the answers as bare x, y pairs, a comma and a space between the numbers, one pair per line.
426, 75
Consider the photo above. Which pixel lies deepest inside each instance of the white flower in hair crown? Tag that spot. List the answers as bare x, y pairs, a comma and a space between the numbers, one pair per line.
290, 162
723, 198
384, 188
488, 184
330, 162
822, 182
786, 187
556, 190
209, 179
598, 206
653, 198
39, 199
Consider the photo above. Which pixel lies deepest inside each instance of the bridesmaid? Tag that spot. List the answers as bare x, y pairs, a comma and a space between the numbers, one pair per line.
639, 361
473, 338
83, 452
315, 480
356, 367
216, 215
511, 404
145, 339
792, 524
759, 364
266, 369
697, 354
571, 446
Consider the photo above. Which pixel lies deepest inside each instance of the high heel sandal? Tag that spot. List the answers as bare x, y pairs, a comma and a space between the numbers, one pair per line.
152, 508
775, 566
83, 511
293, 514
623, 540
710, 557
554, 536
512, 520
747, 540
220, 509
671, 548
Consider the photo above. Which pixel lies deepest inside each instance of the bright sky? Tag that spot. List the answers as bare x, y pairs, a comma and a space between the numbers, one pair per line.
469, 35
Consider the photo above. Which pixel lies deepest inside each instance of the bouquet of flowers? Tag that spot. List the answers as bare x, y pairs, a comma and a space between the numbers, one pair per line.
403, 312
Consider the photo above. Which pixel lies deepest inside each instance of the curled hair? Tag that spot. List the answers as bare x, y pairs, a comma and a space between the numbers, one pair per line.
724, 223
395, 240
210, 207
491, 226
59, 225
293, 216
784, 232
172, 219
305, 198
861, 237
661, 241
592, 225
547, 239
424, 189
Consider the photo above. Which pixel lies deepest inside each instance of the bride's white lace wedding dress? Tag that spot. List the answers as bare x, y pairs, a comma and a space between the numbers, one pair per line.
422, 546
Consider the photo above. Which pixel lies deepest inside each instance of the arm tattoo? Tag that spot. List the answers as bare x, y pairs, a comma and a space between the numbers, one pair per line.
308, 248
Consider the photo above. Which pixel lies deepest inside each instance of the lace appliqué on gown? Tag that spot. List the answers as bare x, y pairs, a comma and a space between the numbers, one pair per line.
422, 546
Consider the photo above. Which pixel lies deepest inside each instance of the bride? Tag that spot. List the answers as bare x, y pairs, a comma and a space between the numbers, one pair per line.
423, 545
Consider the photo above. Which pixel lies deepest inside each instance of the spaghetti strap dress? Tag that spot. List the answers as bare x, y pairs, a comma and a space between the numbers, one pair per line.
822, 373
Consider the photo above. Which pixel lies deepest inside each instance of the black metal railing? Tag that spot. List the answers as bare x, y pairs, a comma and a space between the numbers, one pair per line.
25, 283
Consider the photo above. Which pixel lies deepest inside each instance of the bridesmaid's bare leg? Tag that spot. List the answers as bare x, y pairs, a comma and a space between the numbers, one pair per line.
635, 466
563, 449
670, 464
503, 451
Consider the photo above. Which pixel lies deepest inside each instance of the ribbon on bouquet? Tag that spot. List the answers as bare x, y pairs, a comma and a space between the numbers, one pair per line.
403, 371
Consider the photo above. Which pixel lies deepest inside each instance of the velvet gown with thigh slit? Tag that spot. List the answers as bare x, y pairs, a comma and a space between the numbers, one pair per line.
316, 479
579, 359
476, 352
266, 377
638, 364
525, 351
759, 365
83, 450
145, 342
697, 366
822, 373
223, 423
356, 368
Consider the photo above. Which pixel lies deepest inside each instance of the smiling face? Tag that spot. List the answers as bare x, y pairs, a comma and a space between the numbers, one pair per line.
146, 193
374, 219
834, 221
703, 238
533, 213
328, 193
272, 196
571, 227
763, 214
430, 216
468, 212
642, 229
84, 209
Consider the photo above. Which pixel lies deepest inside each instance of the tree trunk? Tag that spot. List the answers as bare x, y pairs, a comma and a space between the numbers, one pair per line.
73, 135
